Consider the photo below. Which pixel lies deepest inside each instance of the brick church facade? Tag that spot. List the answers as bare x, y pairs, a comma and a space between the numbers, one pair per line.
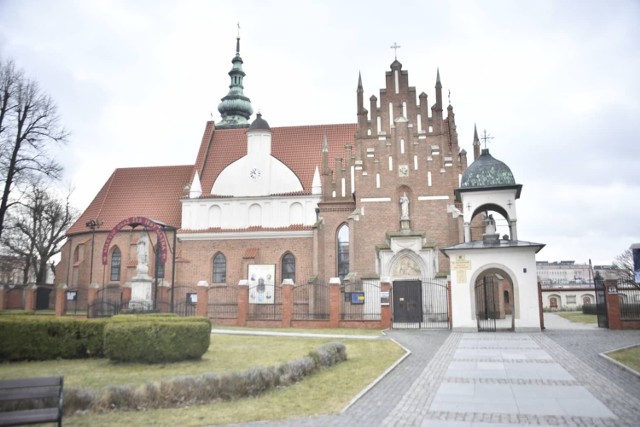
370, 200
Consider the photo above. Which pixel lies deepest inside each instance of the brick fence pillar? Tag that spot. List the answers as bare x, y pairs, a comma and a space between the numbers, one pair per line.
385, 309
243, 303
287, 302
126, 293
92, 296
30, 297
61, 299
202, 305
3, 296
334, 302
613, 304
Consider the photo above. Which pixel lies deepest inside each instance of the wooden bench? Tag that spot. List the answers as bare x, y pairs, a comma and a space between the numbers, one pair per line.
43, 395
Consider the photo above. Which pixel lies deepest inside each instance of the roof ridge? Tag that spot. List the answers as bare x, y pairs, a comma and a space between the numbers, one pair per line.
106, 193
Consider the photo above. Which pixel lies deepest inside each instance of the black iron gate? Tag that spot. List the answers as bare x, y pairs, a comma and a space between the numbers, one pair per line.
435, 304
407, 302
601, 302
486, 290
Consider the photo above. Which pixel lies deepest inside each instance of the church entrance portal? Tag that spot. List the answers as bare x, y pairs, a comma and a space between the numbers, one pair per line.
494, 303
407, 301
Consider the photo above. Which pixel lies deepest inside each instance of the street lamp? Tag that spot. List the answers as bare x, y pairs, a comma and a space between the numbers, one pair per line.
92, 224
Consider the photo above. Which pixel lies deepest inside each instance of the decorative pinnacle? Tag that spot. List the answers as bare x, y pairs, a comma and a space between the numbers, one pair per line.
238, 41
476, 140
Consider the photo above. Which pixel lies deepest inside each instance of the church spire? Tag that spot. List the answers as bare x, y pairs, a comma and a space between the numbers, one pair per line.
235, 108
476, 143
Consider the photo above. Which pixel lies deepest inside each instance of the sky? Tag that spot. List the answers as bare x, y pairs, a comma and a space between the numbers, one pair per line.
555, 83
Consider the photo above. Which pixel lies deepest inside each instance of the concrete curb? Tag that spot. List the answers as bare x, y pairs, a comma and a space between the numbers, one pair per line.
377, 380
623, 366
293, 334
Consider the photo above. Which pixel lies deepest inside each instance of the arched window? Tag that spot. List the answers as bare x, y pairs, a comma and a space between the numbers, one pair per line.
76, 254
506, 297
553, 302
219, 268
116, 261
289, 267
586, 299
343, 250
159, 265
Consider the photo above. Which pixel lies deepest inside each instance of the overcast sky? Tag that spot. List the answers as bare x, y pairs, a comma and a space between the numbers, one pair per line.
556, 83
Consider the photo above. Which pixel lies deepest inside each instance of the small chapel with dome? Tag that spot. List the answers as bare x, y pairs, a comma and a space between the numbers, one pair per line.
386, 202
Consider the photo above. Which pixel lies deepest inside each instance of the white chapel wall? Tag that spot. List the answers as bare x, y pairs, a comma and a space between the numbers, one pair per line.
244, 212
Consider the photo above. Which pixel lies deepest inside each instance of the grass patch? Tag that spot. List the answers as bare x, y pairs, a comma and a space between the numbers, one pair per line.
326, 392
578, 317
629, 357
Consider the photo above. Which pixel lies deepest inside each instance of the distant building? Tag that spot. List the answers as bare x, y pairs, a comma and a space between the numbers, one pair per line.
563, 273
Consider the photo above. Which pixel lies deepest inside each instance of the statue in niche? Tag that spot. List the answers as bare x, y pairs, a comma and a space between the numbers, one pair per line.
404, 206
490, 225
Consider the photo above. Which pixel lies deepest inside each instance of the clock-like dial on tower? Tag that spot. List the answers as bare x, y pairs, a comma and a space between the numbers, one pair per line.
255, 173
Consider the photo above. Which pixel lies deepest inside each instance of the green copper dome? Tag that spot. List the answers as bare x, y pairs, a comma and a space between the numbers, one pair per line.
487, 172
235, 108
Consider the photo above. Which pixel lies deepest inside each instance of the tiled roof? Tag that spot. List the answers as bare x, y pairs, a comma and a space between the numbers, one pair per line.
153, 192
299, 147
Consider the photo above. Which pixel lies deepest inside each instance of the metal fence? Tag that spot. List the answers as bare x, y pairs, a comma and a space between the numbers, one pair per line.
361, 301
182, 302
107, 303
311, 302
223, 302
629, 294
267, 311
435, 304
75, 301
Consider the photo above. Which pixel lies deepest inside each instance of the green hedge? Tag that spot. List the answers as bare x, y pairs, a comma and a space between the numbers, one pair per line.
156, 340
25, 337
45, 338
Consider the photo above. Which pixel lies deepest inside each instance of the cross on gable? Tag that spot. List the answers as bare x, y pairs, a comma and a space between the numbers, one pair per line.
395, 48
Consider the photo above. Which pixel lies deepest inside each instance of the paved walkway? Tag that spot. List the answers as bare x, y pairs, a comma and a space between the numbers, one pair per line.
453, 379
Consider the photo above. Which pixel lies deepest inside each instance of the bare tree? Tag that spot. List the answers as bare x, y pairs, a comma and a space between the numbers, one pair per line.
624, 264
36, 227
29, 124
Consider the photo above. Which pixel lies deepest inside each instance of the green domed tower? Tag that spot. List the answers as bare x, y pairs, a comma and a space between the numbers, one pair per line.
235, 108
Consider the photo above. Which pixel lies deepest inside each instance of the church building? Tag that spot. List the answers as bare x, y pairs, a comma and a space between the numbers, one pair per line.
264, 203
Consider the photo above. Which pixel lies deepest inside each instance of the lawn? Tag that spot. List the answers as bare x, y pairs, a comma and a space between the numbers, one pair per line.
629, 357
578, 317
326, 392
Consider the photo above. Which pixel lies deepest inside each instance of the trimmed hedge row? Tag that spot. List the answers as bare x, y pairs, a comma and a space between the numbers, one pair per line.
47, 337
185, 391
156, 341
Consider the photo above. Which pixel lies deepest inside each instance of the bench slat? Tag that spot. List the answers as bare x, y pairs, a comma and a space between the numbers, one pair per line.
29, 393
31, 382
28, 417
